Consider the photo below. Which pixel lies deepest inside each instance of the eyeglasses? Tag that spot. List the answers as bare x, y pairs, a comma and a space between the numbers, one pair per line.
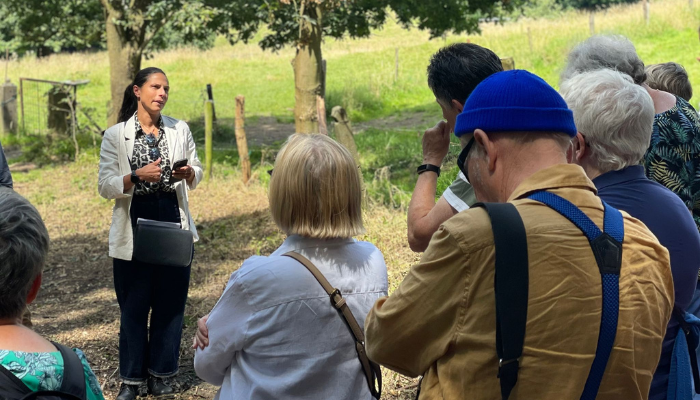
462, 159
152, 142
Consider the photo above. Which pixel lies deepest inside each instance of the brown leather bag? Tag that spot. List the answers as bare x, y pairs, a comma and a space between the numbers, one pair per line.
371, 369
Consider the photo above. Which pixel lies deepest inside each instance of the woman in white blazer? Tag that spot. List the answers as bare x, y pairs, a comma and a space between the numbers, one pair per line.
136, 169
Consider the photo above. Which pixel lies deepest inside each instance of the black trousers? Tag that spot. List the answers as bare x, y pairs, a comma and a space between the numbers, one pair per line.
141, 288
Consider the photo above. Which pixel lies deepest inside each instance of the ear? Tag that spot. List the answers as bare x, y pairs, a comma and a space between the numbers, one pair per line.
580, 150
457, 106
489, 146
34, 290
137, 92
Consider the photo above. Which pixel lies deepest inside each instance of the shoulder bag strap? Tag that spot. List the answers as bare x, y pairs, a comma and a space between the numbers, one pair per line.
607, 249
73, 373
511, 283
370, 368
678, 314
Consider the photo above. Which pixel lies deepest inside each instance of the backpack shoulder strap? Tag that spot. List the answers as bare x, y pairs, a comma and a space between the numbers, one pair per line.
50, 395
11, 387
607, 249
511, 287
370, 368
73, 373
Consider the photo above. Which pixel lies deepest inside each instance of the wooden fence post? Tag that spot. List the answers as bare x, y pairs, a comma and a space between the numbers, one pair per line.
241, 140
591, 22
210, 95
396, 65
508, 63
208, 145
8, 108
321, 103
646, 11
345, 136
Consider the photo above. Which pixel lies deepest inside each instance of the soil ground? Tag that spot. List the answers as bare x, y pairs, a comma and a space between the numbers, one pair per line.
77, 305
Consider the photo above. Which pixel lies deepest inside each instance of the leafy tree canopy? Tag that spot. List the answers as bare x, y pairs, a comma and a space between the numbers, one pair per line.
74, 25
241, 20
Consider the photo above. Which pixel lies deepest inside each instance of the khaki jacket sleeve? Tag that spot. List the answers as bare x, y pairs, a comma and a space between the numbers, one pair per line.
194, 160
413, 327
110, 182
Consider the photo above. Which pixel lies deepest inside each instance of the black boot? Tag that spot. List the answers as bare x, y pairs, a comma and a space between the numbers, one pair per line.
128, 392
158, 387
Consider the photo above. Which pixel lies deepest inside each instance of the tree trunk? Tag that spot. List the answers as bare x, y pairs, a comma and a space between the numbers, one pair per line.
308, 71
124, 64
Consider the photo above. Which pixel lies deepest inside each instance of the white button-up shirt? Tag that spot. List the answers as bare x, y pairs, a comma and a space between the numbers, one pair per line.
275, 335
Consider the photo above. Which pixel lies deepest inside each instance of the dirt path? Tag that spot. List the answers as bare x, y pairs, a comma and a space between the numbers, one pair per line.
77, 305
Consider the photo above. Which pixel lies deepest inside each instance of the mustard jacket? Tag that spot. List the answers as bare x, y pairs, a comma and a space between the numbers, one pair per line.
441, 320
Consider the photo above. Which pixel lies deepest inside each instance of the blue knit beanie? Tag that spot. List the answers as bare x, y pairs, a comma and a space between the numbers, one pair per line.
515, 101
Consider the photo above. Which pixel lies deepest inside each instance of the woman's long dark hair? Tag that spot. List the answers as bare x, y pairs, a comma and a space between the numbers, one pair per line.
130, 102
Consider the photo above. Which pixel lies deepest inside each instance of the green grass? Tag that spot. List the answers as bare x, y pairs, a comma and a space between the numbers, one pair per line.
361, 72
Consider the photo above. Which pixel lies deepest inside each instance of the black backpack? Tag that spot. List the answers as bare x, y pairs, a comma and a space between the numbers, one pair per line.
72, 387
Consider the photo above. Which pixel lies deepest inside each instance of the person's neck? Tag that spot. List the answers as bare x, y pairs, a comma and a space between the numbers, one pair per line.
591, 172
148, 122
519, 171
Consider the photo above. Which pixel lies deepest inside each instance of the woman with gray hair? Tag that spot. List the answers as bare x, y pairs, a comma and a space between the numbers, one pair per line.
672, 157
28, 362
614, 118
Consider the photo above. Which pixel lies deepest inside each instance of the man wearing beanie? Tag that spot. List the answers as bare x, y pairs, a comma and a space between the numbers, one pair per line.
453, 73
592, 323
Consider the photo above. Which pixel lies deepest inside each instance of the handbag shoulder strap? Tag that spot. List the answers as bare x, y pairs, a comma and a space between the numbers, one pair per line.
370, 369
511, 285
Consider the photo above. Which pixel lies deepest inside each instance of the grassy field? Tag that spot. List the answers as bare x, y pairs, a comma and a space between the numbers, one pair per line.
361, 72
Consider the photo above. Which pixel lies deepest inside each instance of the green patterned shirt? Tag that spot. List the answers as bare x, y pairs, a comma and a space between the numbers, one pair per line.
44, 371
673, 157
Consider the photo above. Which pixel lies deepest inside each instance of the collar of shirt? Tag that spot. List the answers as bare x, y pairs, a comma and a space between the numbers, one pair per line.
554, 177
296, 242
139, 129
624, 175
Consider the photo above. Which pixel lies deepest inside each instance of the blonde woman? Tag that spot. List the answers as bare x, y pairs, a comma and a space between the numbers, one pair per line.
273, 333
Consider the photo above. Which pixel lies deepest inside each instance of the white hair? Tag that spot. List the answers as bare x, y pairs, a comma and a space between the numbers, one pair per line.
605, 51
613, 114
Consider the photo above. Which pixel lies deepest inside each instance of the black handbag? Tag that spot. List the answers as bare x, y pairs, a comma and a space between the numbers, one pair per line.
162, 243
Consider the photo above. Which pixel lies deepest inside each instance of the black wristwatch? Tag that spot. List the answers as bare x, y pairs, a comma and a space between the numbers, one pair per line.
428, 167
135, 178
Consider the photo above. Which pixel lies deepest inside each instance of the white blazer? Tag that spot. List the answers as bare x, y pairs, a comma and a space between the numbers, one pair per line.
115, 162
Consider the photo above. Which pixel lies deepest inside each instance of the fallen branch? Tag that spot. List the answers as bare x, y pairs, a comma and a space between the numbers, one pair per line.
102, 387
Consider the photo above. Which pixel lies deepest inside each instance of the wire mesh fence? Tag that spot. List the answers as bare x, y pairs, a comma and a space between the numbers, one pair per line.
47, 106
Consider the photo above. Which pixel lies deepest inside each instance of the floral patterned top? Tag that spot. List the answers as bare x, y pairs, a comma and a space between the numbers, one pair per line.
673, 157
147, 149
44, 371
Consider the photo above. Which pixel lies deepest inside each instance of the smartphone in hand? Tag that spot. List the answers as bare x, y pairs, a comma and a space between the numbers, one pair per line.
176, 165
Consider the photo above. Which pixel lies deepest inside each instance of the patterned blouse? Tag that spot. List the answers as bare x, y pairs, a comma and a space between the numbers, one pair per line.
44, 371
147, 149
673, 158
